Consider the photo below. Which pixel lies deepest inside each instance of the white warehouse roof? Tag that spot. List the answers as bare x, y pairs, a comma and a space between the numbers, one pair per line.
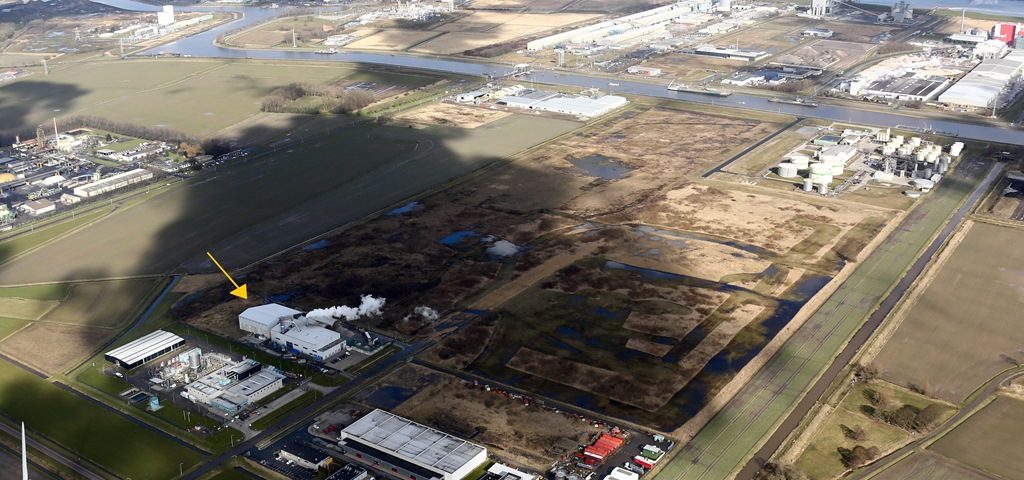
268, 315
135, 352
410, 441
982, 86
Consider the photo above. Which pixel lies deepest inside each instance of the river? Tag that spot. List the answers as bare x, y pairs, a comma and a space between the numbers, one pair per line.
203, 45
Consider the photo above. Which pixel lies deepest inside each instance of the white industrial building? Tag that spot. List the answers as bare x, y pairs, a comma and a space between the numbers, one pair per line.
41, 206
313, 341
165, 16
113, 182
409, 449
138, 352
838, 154
983, 86
234, 386
259, 320
579, 106
616, 30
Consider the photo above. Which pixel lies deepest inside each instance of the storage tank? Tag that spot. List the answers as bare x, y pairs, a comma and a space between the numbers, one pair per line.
932, 156
823, 189
821, 173
906, 149
915, 141
808, 185
956, 148
920, 154
898, 139
788, 170
194, 358
888, 150
883, 135
800, 160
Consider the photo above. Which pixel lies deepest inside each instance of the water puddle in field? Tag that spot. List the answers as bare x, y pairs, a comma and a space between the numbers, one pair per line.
600, 166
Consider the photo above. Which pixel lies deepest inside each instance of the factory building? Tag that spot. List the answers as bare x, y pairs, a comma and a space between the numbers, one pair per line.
818, 33
234, 386
557, 103
730, 53
38, 207
112, 183
313, 341
624, 28
147, 348
907, 87
500, 471
645, 71
837, 155
259, 320
408, 449
983, 87
305, 456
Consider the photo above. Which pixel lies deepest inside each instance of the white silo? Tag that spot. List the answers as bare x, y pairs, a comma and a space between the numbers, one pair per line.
823, 189
915, 141
788, 170
724, 5
808, 185
821, 173
888, 149
883, 135
898, 139
920, 154
956, 148
932, 156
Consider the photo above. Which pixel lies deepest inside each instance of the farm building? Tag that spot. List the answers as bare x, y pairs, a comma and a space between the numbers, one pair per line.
313, 341
232, 387
408, 449
113, 182
138, 352
259, 320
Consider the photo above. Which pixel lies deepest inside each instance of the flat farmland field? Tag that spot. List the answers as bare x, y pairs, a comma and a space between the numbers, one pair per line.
101, 304
976, 292
989, 440
772, 36
198, 97
276, 201
929, 466
54, 348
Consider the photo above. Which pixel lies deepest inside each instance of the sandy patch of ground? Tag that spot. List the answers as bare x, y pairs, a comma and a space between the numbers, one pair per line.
449, 114
648, 347
767, 221
695, 360
695, 258
392, 40
54, 348
192, 283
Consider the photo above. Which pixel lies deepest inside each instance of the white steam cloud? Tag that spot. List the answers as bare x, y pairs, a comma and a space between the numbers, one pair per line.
369, 306
427, 313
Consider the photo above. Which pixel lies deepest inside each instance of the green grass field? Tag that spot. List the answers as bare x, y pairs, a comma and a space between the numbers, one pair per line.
10, 325
821, 458
989, 440
268, 419
23, 242
109, 303
978, 291
726, 441
91, 431
928, 466
194, 96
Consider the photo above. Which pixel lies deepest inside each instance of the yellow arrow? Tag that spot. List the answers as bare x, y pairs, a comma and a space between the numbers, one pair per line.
240, 291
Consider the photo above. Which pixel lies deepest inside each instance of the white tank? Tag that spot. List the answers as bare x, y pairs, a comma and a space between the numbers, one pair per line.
915, 141
920, 154
906, 149
932, 156
883, 135
788, 170
808, 185
823, 188
898, 139
800, 160
888, 150
820, 178
820, 168
956, 148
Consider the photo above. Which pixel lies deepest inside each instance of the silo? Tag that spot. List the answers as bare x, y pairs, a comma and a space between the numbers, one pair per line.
955, 148
788, 170
195, 358
883, 135
821, 173
823, 189
932, 156
906, 149
888, 150
921, 154
808, 185
928, 172
915, 141
898, 139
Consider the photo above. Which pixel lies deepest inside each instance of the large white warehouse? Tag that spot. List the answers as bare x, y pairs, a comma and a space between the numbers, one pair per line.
113, 182
983, 86
620, 26
409, 449
259, 320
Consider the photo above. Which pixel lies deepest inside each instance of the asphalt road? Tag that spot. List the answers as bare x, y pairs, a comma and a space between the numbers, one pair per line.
865, 332
980, 399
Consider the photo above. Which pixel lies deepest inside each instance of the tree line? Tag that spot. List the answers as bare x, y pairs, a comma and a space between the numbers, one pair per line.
332, 98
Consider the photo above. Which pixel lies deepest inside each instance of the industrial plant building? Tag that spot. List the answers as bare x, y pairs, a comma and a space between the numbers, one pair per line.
983, 87
408, 449
113, 182
313, 341
259, 320
579, 106
138, 352
647, 23
908, 87
234, 386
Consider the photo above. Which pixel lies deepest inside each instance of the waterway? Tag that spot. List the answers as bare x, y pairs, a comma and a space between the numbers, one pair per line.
202, 45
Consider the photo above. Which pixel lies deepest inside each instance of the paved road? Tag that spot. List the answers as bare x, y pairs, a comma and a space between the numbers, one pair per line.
52, 454
240, 449
980, 399
866, 331
762, 404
